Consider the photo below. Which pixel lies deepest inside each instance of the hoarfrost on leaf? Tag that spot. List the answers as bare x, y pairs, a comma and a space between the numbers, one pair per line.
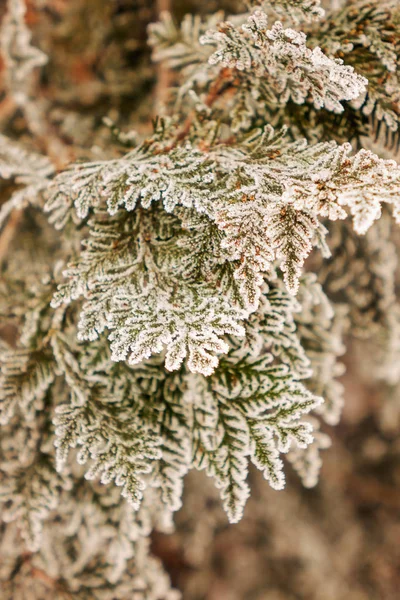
280, 56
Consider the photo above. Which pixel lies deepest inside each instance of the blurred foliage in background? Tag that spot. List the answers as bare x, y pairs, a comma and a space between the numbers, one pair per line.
337, 541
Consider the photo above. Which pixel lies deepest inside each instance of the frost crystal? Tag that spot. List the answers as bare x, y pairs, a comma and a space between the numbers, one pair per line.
281, 56
177, 298
20, 56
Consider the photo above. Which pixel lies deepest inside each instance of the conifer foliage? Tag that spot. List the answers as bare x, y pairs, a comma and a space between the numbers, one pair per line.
166, 320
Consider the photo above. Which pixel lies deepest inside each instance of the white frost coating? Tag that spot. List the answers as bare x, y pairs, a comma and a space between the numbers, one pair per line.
192, 267
146, 324
298, 10
281, 56
21, 58
29, 170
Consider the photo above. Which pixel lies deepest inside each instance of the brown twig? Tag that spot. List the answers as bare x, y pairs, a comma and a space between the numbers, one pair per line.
8, 233
7, 109
217, 88
36, 572
164, 73
43, 133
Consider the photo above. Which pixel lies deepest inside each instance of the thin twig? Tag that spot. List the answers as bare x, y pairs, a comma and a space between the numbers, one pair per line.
34, 110
217, 89
8, 233
164, 73
7, 109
